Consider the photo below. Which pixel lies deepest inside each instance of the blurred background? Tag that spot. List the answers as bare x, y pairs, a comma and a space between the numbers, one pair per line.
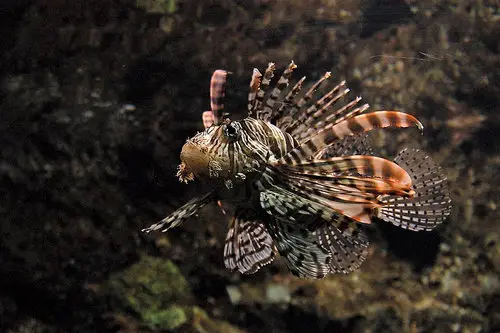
98, 96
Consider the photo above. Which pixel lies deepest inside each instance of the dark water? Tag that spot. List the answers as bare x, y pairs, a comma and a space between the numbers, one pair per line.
97, 97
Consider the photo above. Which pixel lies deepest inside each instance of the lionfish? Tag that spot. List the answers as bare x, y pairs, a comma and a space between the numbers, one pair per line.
298, 176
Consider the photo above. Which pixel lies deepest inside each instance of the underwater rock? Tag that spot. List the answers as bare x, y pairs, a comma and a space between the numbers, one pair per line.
202, 323
155, 290
277, 293
31, 325
150, 287
234, 294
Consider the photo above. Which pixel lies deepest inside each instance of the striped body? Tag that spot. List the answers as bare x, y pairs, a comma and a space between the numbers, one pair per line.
234, 165
255, 142
298, 176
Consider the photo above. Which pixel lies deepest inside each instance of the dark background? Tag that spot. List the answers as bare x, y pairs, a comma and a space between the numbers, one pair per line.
98, 96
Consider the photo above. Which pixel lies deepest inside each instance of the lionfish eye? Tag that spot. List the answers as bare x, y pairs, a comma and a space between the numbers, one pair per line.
231, 132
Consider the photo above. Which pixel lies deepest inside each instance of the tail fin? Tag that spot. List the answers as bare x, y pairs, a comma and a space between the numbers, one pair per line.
431, 204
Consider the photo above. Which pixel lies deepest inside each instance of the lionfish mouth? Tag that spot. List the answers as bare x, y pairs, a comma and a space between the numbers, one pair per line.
194, 163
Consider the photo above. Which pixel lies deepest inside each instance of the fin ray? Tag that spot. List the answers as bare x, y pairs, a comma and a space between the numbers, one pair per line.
181, 214
431, 204
356, 125
248, 245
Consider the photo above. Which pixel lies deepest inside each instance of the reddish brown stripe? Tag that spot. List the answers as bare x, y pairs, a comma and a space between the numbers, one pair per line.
355, 127
217, 86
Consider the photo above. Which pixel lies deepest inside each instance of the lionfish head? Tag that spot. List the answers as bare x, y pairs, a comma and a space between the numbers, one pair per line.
207, 154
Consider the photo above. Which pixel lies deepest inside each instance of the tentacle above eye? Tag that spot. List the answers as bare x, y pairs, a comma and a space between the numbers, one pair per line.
217, 93
208, 119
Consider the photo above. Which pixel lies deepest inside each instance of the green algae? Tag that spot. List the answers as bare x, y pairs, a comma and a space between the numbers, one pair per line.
155, 290
170, 318
150, 288
158, 6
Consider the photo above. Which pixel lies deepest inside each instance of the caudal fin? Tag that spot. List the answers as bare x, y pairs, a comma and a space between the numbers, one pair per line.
431, 204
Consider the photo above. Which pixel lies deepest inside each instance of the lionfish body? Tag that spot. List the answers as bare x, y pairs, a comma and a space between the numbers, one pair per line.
298, 175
